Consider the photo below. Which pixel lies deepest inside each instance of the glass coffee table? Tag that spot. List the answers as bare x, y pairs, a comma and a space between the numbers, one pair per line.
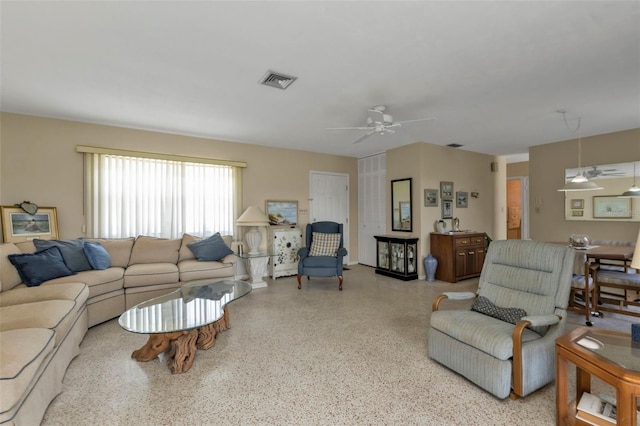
183, 321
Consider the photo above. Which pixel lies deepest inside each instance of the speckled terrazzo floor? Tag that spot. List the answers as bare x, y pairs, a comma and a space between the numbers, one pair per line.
314, 356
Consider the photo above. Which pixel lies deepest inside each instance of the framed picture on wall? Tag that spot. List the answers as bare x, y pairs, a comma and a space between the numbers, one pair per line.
577, 203
431, 198
462, 199
447, 209
19, 226
611, 207
282, 212
446, 190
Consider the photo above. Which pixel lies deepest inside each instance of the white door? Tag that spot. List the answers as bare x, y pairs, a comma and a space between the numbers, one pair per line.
372, 211
329, 200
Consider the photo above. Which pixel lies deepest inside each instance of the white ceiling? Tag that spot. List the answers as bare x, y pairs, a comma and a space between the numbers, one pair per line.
493, 73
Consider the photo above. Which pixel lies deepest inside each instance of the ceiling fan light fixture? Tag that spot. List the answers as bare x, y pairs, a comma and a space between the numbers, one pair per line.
580, 178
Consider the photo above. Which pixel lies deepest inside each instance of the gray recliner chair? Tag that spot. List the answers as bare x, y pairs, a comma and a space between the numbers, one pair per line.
506, 342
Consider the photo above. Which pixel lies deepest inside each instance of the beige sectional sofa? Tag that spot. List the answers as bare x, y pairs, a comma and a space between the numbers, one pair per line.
42, 327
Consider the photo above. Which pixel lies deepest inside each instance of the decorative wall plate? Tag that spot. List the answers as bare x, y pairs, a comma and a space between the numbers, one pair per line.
28, 207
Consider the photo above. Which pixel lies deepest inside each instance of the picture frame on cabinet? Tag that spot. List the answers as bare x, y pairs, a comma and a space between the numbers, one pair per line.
431, 198
462, 199
447, 209
446, 190
281, 212
18, 226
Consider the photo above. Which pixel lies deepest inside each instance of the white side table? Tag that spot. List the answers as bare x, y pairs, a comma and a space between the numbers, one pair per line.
256, 265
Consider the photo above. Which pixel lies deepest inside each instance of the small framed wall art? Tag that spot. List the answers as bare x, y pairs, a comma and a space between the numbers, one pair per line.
462, 199
577, 203
19, 226
431, 198
447, 209
446, 190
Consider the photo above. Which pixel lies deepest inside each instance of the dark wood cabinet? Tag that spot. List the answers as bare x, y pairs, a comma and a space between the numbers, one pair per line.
460, 256
397, 257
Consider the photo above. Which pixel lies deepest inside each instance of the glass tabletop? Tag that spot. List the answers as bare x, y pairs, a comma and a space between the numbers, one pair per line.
261, 253
191, 306
618, 349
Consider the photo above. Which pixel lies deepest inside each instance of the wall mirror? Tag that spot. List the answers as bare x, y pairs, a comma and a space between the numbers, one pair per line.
604, 204
401, 205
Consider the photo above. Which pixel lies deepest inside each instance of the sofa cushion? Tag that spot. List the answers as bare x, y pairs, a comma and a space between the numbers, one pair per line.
72, 252
22, 352
35, 268
155, 250
97, 255
212, 248
9, 277
119, 249
99, 282
324, 244
195, 270
144, 274
71, 291
56, 315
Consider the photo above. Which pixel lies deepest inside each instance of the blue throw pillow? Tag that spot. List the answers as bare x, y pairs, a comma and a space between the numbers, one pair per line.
36, 268
97, 255
72, 252
212, 248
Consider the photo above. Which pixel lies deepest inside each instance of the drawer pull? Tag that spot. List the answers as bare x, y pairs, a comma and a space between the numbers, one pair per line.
471, 252
462, 254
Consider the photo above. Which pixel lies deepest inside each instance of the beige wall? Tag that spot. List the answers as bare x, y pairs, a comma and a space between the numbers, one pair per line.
518, 169
546, 172
430, 164
39, 163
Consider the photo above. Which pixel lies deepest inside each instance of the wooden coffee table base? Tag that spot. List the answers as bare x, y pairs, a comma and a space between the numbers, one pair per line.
181, 346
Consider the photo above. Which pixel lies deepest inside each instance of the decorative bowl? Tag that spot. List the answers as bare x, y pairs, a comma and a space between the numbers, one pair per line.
577, 240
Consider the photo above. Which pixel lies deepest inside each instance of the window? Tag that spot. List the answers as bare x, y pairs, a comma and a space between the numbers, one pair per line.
160, 197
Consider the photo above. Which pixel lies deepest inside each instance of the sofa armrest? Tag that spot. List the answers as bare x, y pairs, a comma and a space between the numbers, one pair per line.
303, 252
541, 320
230, 258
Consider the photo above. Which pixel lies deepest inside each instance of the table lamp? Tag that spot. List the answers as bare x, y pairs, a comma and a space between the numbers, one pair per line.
254, 217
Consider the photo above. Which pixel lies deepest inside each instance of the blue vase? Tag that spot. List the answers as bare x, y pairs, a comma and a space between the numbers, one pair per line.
430, 266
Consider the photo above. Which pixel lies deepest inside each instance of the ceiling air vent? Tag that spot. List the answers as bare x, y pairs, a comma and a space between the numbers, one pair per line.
454, 145
277, 80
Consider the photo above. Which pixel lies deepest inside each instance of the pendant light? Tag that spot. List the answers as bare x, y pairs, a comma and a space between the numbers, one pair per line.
634, 191
580, 181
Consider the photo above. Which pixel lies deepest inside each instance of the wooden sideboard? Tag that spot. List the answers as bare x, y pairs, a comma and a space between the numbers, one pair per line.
460, 255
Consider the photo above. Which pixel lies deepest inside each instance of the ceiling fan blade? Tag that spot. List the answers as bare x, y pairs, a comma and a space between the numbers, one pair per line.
348, 128
418, 119
363, 137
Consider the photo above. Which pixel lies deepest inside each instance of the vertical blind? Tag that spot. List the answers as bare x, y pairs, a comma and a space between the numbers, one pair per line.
130, 196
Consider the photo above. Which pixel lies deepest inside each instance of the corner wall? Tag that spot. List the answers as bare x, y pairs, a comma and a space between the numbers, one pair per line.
547, 164
39, 163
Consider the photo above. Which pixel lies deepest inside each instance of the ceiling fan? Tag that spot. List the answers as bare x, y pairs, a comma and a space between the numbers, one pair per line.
378, 122
595, 172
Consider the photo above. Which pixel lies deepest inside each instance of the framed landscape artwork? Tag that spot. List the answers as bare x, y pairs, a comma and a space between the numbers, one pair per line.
431, 198
18, 226
462, 199
611, 207
282, 212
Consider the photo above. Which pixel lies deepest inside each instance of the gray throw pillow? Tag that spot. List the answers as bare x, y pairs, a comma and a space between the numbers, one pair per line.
212, 248
36, 268
72, 252
485, 306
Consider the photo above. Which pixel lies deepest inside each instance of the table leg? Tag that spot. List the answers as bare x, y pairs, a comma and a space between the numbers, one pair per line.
562, 389
182, 345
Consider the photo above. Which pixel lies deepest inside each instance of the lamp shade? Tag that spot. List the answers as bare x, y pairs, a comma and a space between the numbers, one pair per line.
253, 216
580, 185
635, 261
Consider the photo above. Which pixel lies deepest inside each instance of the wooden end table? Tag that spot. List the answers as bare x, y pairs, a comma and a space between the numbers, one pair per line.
617, 363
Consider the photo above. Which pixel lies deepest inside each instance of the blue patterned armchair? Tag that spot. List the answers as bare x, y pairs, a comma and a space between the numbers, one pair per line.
324, 252
506, 342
